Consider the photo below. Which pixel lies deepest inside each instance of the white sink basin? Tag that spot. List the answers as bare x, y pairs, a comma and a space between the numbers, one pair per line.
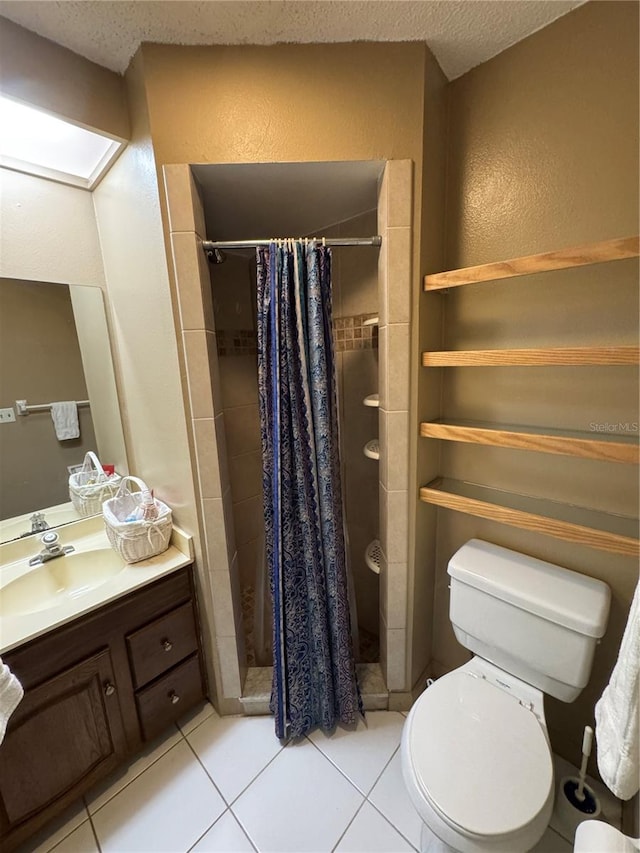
59, 581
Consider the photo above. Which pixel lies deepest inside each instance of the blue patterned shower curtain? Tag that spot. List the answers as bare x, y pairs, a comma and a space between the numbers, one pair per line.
314, 677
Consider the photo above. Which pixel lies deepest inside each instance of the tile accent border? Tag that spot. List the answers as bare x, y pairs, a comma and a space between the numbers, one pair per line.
350, 333
237, 341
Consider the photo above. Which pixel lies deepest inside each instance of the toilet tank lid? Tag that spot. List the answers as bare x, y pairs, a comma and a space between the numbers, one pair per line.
560, 595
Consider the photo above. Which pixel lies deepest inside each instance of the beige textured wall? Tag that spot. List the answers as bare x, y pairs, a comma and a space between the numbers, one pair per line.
42, 73
285, 102
48, 231
544, 140
128, 216
40, 362
290, 103
543, 153
426, 385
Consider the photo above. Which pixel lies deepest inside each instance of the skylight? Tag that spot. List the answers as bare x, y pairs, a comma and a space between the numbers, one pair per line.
40, 144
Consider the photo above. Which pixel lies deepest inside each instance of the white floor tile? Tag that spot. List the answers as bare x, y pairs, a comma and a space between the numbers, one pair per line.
167, 808
112, 785
299, 804
225, 836
362, 754
551, 842
55, 831
390, 796
81, 840
198, 715
234, 750
370, 833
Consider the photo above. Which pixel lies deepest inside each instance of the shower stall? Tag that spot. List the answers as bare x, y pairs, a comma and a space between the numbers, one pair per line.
332, 200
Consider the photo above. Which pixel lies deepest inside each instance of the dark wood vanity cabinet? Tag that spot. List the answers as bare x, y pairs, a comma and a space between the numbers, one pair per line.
95, 691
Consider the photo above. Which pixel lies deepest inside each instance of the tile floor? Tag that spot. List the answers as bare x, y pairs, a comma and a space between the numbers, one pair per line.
227, 785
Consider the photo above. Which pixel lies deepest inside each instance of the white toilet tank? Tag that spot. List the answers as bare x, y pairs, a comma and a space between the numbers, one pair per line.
538, 621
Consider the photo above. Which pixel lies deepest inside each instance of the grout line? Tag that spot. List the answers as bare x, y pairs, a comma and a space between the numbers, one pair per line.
224, 799
397, 829
243, 830
186, 734
95, 833
64, 837
138, 775
237, 797
343, 773
346, 829
199, 839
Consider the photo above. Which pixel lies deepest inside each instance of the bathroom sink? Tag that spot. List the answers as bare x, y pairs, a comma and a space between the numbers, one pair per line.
60, 580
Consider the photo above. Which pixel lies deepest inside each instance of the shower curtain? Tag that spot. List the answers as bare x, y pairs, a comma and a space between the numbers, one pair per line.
314, 676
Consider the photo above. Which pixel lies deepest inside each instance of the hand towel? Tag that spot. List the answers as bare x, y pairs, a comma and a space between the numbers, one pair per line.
617, 714
65, 420
11, 693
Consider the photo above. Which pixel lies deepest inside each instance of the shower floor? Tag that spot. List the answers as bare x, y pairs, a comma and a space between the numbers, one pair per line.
369, 643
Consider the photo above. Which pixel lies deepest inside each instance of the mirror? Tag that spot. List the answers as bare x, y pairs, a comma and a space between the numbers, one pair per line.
54, 346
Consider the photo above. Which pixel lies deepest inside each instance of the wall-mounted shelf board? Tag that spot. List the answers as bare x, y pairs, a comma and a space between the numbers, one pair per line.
607, 532
372, 400
372, 449
609, 447
569, 356
594, 253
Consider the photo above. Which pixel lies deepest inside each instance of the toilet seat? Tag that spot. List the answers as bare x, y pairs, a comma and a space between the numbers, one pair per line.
487, 769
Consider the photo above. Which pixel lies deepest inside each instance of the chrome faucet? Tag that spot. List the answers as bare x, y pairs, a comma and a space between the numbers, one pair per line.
38, 522
52, 549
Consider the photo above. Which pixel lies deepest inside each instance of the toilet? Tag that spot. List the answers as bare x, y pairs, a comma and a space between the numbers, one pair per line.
476, 757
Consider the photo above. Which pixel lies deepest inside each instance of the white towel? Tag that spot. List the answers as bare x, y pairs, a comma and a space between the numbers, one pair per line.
11, 693
617, 714
65, 420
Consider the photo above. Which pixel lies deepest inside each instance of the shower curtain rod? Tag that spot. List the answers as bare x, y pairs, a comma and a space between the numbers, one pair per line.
211, 245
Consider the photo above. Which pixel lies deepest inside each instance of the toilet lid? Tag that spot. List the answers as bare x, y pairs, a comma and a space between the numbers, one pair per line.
479, 757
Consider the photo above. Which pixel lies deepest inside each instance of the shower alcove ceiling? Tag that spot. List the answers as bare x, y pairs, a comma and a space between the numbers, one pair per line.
256, 201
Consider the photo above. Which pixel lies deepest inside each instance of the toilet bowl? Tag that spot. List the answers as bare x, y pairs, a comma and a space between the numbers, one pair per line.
476, 758
485, 783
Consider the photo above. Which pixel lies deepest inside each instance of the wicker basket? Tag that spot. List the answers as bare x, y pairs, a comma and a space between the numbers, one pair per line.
135, 538
91, 486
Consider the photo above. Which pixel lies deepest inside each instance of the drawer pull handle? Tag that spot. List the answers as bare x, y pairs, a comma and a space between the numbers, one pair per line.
109, 688
167, 645
174, 697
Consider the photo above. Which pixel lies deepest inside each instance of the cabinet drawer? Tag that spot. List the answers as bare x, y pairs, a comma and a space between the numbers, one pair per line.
166, 700
162, 644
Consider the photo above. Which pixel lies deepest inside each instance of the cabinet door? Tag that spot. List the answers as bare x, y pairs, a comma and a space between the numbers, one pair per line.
65, 734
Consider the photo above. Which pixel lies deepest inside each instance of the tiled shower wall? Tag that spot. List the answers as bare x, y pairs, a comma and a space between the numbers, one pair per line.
355, 298
233, 284
355, 289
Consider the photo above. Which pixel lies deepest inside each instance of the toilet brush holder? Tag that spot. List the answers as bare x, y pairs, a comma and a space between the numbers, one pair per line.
570, 810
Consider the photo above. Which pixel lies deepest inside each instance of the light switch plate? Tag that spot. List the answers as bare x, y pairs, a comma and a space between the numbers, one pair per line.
7, 416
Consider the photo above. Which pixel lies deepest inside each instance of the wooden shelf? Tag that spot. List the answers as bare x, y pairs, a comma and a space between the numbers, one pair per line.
594, 253
570, 356
609, 447
616, 534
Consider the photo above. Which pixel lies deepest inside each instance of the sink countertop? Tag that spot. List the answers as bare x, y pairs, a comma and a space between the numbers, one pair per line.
86, 535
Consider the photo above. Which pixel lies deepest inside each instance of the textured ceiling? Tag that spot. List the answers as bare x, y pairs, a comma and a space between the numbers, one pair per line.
460, 33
